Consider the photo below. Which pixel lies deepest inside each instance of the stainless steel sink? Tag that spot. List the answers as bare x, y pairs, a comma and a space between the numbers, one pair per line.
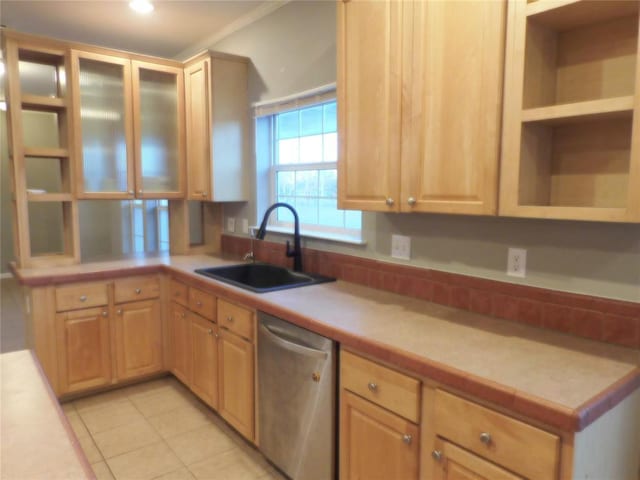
262, 277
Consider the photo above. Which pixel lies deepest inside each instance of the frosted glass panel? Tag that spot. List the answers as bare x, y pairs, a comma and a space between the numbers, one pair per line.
45, 228
38, 79
40, 129
102, 114
44, 174
159, 131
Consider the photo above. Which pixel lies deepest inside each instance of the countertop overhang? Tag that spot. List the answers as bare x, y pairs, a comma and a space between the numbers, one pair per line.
563, 381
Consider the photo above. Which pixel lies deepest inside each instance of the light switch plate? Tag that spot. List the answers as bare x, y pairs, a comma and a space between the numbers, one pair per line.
401, 247
231, 224
517, 262
245, 225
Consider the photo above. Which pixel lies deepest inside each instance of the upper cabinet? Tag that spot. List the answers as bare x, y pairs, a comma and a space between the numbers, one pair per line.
217, 127
130, 127
419, 108
571, 145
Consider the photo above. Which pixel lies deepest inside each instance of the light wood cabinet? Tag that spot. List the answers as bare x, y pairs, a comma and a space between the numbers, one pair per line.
217, 127
419, 108
204, 347
84, 349
379, 411
129, 118
571, 140
138, 339
180, 334
236, 382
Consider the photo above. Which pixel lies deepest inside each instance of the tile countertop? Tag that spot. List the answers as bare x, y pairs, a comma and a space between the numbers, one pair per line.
563, 381
30, 414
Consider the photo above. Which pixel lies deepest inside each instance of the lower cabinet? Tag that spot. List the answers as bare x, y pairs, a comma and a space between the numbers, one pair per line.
83, 346
138, 339
236, 382
204, 348
379, 433
180, 335
455, 463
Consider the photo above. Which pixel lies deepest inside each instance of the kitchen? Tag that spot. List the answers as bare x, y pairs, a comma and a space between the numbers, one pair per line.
591, 259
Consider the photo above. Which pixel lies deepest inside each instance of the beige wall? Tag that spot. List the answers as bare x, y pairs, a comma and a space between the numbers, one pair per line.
293, 50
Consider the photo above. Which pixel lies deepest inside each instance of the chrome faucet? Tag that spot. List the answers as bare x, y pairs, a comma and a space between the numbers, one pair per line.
296, 253
250, 255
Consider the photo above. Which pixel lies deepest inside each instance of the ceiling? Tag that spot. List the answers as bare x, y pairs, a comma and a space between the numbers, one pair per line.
175, 29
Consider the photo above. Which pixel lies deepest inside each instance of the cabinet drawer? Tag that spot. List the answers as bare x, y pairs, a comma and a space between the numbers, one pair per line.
136, 288
179, 292
202, 303
522, 448
237, 319
390, 389
73, 297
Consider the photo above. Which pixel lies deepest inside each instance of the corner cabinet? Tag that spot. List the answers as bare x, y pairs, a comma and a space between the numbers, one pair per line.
571, 144
419, 109
129, 120
217, 127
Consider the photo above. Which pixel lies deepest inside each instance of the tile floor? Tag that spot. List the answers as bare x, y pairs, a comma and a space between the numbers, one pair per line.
160, 430
154, 430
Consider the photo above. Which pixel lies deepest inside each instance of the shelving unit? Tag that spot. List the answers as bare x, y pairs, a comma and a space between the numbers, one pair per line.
37, 91
571, 137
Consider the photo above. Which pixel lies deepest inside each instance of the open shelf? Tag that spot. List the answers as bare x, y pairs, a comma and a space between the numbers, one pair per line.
582, 164
40, 102
567, 14
590, 62
46, 152
610, 108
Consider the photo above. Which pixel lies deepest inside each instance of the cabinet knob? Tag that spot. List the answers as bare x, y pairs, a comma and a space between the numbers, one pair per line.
485, 438
130, 192
373, 387
389, 201
406, 438
199, 303
83, 298
217, 336
229, 318
138, 291
411, 201
182, 315
119, 312
204, 194
104, 314
140, 191
436, 455
210, 331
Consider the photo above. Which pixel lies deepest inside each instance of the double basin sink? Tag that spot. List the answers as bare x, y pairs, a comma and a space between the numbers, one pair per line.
262, 277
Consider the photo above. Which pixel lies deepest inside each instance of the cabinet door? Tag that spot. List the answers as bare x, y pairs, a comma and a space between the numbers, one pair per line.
103, 125
453, 463
158, 113
196, 81
375, 443
452, 122
180, 330
205, 359
138, 339
84, 359
369, 91
236, 382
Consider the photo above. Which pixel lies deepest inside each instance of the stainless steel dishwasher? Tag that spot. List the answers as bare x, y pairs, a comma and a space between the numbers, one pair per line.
296, 388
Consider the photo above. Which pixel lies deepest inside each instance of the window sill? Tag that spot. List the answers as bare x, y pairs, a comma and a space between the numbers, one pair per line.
332, 237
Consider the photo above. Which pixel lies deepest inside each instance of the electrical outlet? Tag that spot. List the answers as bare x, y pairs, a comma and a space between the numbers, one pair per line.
231, 224
401, 247
517, 262
245, 225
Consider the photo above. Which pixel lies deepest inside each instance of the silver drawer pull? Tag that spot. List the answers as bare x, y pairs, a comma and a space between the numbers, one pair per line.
119, 312
229, 318
389, 201
406, 438
373, 387
436, 455
138, 291
485, 438
83, 298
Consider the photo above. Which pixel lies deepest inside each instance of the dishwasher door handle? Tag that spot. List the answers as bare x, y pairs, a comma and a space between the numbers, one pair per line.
294, 347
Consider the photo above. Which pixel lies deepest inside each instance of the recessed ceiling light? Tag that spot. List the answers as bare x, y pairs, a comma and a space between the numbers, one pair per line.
141, 6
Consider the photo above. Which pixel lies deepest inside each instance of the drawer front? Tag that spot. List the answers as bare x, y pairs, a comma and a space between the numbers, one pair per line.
179, 293
390, 389
136, 288
74, 297
236, 319
202, 303
520, 447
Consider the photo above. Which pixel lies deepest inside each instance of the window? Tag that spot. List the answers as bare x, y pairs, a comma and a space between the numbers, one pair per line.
303, 144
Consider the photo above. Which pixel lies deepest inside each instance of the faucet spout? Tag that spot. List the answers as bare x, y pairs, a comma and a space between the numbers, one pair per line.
296, 253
